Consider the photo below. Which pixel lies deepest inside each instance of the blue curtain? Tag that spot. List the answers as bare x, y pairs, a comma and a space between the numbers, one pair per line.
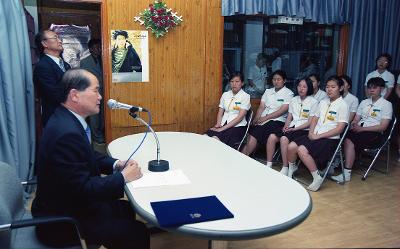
374, 29
320, 11
17, 124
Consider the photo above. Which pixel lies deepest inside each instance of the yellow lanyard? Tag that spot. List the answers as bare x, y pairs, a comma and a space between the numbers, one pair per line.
301, 107
230, 102
370, 107
326, 113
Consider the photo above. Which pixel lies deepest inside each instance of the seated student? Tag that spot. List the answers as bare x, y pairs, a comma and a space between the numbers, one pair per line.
351, 100
323, 137
372, 118
233, 106
271, 114
301, 110
383, 62
318, 93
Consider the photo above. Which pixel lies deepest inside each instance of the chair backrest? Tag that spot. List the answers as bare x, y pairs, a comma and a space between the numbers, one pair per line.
249, 118
11, 201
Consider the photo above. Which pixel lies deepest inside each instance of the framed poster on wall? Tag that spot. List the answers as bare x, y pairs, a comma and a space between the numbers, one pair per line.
129, 56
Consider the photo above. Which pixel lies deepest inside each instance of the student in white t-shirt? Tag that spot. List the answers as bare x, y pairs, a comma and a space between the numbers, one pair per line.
318, 93
383, 62
302, 109
231, 122
351, 100
271, 114
323, 137
372, 118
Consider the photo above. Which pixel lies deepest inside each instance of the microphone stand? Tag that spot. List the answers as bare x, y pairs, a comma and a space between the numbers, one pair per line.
154, 165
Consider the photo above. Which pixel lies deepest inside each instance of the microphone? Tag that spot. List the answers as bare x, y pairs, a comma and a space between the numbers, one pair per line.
157, 165
113, 104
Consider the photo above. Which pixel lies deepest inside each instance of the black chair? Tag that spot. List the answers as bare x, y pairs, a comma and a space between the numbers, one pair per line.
385, 145
16, 223
249, 119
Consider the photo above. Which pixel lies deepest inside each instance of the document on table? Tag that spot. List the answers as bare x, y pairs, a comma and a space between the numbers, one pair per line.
153, 179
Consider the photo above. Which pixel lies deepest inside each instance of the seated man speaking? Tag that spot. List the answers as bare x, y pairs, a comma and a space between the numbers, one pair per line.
69, 181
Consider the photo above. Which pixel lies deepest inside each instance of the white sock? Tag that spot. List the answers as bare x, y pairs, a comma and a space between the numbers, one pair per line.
347, 172
269, 164
315, 174
284, 170
292, 169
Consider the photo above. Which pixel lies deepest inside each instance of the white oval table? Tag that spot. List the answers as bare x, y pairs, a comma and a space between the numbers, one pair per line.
263, 201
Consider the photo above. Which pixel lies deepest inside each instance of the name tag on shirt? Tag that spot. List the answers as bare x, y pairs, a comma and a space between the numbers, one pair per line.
331, 115
374, 112
305, 113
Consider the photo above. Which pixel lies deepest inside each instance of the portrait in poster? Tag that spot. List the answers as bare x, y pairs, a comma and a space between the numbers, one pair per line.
129, 56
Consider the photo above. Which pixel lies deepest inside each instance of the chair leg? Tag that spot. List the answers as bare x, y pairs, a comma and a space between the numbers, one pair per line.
387, 158
372, 163
342, 166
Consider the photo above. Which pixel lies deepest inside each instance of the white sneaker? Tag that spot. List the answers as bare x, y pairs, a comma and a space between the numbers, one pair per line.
284, 171
339, 178
314, 186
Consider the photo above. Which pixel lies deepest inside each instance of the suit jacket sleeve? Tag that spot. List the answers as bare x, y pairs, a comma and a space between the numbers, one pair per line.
77, 169
105, 163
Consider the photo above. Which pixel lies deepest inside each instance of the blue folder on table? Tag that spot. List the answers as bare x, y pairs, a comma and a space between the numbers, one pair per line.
187, 211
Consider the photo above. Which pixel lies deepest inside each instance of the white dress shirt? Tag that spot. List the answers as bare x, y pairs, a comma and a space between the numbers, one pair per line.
372, 113
274, 100
330, 114
301, 110
232, 104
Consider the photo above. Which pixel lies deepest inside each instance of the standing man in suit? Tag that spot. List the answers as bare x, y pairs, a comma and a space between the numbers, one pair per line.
69, 180
93, 64
48, 71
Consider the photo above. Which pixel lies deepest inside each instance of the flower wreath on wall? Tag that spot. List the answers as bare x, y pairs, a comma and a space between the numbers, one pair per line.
158, 18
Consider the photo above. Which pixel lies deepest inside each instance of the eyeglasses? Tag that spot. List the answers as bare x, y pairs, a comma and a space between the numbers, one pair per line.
383, 61
55, 37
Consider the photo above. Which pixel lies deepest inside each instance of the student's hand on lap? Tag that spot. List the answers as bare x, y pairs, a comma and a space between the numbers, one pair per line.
313, 136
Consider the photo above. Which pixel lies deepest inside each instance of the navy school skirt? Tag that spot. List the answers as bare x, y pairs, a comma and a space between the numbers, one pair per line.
262, 132
231, 136
321, 150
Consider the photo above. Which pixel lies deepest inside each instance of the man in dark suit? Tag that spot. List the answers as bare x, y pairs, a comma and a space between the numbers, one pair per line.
69, 181
48, 72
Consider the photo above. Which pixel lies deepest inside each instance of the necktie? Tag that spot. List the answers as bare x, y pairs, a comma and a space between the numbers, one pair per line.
61, 64
88, 134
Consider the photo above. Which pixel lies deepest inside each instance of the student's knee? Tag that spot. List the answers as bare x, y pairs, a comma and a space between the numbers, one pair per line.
302, 151
284, 140
251, 139
348, 142
273, 138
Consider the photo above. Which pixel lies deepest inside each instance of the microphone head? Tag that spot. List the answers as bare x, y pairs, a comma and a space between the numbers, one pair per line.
112, 104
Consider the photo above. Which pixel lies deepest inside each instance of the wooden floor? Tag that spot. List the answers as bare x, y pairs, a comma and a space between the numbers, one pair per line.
359, 214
